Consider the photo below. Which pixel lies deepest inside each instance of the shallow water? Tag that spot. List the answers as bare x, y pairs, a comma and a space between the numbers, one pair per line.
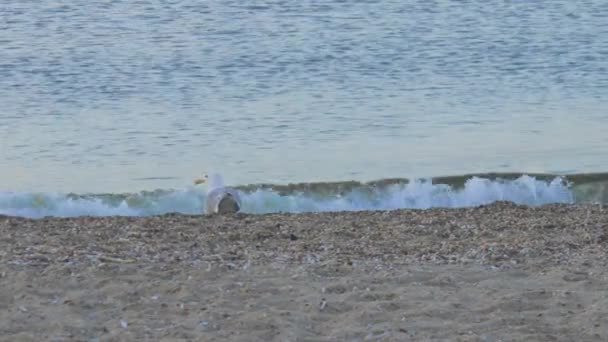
121, 96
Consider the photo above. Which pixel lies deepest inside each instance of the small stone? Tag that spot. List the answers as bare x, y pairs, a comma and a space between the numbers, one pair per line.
577, 276
323, 304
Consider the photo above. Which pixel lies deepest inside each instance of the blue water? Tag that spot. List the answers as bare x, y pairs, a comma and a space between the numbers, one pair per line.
124, 96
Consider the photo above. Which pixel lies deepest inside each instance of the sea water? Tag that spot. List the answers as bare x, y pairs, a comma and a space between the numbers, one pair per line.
113, 107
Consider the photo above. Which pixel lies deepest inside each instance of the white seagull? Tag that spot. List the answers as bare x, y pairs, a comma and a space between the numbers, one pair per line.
220, 199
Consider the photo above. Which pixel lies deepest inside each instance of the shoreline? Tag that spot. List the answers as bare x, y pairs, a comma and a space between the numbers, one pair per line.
497, 271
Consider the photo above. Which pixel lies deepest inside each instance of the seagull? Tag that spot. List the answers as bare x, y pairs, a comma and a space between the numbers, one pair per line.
220, 199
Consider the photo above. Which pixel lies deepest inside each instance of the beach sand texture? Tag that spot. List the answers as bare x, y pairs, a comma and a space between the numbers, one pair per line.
499, 272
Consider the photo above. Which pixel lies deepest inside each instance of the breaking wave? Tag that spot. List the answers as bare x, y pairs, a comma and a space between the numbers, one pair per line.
456, 191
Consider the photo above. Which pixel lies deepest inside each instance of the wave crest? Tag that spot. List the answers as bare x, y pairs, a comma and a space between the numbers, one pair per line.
395, 194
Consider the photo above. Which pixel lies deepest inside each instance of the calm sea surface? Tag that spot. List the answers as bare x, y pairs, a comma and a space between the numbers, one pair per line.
127, 95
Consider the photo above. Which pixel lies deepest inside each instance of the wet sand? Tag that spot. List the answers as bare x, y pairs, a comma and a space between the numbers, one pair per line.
493, 273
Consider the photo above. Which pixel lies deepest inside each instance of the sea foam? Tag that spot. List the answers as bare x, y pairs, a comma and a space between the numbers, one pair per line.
418, 193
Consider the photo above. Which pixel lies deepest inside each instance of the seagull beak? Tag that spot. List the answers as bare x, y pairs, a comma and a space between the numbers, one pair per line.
198, 181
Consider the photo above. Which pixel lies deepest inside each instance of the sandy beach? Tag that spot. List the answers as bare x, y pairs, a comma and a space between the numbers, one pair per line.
499, 272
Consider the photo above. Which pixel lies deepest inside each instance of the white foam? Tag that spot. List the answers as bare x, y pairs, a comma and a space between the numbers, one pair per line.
419, 194
416, 194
